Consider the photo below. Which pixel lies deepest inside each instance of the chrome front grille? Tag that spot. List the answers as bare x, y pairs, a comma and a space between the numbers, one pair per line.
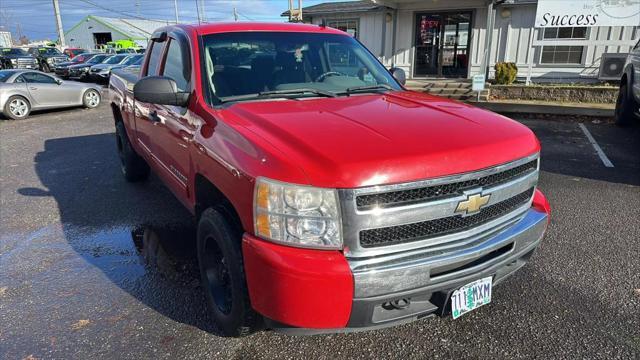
429, 193
392, 218
442, 226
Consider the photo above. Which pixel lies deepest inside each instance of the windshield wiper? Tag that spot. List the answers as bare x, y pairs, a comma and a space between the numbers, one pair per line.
366, 88
278, 93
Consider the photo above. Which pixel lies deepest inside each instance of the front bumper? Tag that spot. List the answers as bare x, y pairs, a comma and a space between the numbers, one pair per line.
311, 291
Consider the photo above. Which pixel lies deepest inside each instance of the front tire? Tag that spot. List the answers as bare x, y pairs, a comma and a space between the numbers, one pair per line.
45, 68
17, 108
91, 99
222, 275
133, 167
626, 106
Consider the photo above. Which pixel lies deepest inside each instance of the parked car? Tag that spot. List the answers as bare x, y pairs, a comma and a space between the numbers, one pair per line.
628, 103
101, 72
62, 69
72, 52
22, 91
81, 71
47, 57
326, 195
17, 58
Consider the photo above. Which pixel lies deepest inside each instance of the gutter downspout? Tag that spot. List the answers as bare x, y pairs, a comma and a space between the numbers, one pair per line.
383, 42
488, 40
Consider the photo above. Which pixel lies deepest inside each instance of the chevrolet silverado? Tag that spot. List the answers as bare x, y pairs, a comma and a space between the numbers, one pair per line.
327, 197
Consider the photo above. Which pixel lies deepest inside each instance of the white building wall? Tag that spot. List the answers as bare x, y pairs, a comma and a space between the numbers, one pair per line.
81, 36
511, 39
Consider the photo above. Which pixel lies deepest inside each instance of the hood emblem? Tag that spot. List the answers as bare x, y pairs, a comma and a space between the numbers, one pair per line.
472, 204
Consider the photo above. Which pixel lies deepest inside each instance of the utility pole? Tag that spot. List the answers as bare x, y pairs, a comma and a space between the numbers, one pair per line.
175, 7
56, 10
201, 11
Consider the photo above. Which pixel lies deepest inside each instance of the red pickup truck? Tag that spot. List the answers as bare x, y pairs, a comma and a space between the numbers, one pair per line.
327, 197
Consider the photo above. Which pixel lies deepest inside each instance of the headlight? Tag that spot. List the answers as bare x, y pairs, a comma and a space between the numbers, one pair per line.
84, 69
296, 215
14, 61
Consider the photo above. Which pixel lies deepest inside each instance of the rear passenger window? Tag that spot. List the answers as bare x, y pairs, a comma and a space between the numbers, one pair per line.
154, 58
175, 68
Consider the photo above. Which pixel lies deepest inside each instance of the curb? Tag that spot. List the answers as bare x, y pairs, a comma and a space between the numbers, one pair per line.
524, 108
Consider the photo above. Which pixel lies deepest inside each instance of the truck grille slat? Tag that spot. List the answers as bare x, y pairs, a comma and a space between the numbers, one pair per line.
393, 235
418, 195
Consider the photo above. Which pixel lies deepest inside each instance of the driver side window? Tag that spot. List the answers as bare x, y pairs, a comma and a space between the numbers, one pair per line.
35, 78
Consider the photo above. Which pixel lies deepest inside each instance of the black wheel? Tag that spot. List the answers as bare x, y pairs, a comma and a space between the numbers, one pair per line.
625, 106
45, 67
91, 99
222, 275
17, 108
133, 167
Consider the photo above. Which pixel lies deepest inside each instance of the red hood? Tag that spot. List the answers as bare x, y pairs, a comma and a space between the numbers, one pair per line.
382, 139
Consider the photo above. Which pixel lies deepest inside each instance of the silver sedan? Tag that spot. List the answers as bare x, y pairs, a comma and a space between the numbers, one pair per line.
24, 90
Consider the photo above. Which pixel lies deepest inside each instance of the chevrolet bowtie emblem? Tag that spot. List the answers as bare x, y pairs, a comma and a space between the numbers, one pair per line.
473, 203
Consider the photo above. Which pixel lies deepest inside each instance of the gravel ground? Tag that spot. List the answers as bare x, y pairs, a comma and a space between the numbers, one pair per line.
94, 267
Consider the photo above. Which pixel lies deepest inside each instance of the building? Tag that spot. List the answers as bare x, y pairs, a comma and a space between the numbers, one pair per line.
93, 31
450, 38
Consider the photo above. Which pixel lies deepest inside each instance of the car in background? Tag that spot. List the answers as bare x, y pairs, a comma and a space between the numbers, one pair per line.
47, 57
17, 58
102, 72
81, 71
628, 102
72, 52
62, 69
22, 91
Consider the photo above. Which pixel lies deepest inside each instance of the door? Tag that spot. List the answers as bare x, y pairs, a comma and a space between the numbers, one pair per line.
46, 92
174, 135
442, 44
146, 115
427, 42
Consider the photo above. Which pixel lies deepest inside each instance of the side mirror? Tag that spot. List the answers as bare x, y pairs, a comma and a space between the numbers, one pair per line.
399, 74
59, 82
159, 90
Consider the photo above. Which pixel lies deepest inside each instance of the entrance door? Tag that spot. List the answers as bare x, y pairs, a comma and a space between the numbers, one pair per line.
442, 44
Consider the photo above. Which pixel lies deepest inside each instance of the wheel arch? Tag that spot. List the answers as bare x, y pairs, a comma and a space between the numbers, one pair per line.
207, 194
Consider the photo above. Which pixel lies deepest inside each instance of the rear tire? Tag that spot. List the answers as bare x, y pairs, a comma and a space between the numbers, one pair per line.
626, 106
133, 167
45, 68
222, 275
17, 108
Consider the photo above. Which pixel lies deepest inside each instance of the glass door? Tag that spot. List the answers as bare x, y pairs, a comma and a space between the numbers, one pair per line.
427, 42
442, 44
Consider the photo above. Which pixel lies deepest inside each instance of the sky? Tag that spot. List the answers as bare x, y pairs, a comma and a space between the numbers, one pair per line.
35, 19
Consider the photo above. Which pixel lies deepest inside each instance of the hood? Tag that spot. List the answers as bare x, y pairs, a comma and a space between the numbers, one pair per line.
102, 66
66, 64
13, 56
377, 139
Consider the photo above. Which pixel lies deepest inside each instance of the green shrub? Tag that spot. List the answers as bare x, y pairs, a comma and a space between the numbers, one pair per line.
506, 73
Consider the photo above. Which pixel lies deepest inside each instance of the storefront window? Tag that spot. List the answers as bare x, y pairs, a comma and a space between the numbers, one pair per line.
350, 26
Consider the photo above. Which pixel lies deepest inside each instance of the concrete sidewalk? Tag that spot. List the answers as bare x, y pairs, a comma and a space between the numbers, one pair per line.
545, 107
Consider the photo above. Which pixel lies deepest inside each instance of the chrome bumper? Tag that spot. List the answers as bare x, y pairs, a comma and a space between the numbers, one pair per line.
415, 270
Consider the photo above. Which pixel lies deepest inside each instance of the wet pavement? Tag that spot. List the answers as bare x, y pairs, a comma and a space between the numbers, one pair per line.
94, 267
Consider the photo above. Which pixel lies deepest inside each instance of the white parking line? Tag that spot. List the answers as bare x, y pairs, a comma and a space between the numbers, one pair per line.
601, 154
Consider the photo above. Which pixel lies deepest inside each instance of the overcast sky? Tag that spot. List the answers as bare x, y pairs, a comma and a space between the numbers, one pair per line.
37, 21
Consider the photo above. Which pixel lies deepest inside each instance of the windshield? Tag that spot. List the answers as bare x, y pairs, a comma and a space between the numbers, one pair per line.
114, 59
14, 51
76, 51
49, 51
246, 63
131, 60
96, 59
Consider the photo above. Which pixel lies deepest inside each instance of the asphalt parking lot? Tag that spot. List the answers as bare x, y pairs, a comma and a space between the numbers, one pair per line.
91, 266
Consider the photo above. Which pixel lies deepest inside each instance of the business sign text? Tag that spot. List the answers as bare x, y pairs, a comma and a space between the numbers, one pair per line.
570, 13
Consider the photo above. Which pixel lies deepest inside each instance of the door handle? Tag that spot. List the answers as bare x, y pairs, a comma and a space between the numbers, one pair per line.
33, 88
187, 137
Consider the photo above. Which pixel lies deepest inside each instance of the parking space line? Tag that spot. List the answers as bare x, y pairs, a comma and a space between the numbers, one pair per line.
601, 154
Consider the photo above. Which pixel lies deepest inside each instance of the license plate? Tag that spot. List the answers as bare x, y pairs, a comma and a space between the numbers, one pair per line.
471, 296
